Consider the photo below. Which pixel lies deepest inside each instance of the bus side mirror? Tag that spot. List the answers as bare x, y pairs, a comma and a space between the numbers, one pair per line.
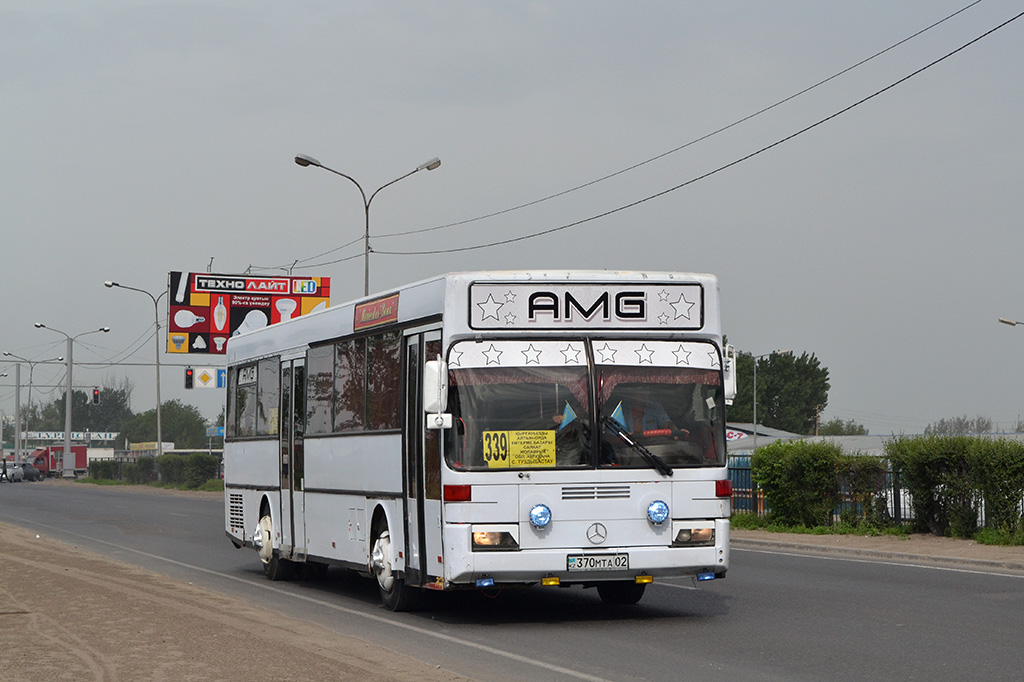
435, 394
729, 374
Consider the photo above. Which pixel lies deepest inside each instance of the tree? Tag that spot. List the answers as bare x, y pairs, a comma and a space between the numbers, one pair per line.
959, 426
182, 425
837, 427
790, 391
112, 412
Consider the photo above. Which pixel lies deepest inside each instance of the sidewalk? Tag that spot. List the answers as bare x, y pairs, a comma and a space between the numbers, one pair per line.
917, 548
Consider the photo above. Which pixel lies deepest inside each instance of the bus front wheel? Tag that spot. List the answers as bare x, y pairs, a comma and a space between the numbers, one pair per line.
274, 567
394, 593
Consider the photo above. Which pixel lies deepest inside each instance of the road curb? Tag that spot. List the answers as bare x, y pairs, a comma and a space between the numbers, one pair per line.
879, 555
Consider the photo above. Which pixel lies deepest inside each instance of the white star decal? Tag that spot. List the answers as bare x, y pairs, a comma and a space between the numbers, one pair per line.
532, 355
453, 359
714, 359
682, 307
510, 320
682, 355
490, 308
607, 354
645, 355
493, 355
510, 297
662, 295
663, 318
571, 355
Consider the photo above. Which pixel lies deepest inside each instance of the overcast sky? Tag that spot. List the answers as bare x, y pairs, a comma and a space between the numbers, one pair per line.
140, 137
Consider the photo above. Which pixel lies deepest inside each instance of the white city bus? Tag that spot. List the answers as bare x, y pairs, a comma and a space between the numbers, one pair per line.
487, 430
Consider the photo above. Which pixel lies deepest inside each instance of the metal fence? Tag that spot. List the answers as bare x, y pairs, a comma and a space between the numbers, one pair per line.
747, 497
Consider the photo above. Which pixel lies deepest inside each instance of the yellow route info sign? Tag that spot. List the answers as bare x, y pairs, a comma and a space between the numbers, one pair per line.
519, 449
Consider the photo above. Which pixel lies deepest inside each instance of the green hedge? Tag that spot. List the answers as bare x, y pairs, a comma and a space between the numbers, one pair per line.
950, 477
800, 481
190, 471
950, 480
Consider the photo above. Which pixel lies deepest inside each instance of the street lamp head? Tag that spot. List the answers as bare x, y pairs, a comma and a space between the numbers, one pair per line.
1006, 320
111, 284
104, 329
304, 160
40, 325
429, 165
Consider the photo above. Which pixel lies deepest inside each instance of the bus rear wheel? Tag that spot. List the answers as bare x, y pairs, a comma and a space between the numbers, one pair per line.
274, 567
621, 592
394, 593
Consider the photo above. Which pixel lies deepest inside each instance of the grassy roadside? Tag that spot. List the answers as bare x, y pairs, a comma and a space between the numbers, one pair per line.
213, 485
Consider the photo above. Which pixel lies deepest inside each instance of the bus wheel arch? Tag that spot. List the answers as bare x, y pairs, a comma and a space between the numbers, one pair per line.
394, 593
274, 567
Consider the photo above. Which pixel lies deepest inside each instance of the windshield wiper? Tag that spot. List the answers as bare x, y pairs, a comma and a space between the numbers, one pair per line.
657, 463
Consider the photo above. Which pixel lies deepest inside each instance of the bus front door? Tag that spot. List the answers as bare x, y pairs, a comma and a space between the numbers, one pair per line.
422, 469
293, 412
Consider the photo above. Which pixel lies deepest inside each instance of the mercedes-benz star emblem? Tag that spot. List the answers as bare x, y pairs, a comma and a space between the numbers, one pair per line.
597, 533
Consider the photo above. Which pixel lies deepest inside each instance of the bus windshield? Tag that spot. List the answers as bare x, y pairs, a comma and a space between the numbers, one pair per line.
512, 410
674, 413
520, 417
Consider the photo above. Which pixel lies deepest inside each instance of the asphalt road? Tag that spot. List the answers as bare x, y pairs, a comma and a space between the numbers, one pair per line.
778, 615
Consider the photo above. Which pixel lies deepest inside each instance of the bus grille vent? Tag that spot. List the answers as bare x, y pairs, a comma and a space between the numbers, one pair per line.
235, 515
595, 492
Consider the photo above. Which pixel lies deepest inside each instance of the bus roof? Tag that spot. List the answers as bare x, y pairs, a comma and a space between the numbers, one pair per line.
610, 302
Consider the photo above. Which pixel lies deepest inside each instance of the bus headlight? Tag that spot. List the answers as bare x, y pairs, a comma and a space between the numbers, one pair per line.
540, 516
693, 537
657, 512
493, 540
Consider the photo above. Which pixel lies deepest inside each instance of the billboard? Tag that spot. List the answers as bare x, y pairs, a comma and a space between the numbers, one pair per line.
205, 309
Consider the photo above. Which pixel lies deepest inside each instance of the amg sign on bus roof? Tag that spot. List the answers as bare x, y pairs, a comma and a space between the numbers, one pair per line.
546, 305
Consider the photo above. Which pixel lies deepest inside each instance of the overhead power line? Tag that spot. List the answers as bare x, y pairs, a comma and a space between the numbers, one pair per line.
691, 142
715, 171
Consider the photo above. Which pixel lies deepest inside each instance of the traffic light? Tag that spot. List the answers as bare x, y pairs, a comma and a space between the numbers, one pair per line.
189, 376
95, 396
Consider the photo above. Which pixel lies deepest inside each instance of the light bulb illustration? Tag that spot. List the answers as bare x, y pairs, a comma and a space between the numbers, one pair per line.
285, 308
187, 318
220, 315
218, 341
254, 319
199, 343
178, 340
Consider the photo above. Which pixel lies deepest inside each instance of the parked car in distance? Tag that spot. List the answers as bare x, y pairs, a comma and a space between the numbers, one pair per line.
30, 472
15, 472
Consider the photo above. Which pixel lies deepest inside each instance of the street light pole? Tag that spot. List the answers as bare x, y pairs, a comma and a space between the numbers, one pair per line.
756, 358
17, 395
304, 160
69, 460
156, 335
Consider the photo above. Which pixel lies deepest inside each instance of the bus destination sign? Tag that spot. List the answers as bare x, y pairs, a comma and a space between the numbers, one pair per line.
554, 305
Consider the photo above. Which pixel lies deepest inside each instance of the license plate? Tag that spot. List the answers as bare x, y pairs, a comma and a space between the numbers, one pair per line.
597, 562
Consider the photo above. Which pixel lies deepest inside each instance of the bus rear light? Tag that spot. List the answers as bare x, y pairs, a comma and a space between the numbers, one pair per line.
723, 488
458, 493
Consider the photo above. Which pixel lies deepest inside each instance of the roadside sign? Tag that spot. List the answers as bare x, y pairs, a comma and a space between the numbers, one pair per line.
206, 377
